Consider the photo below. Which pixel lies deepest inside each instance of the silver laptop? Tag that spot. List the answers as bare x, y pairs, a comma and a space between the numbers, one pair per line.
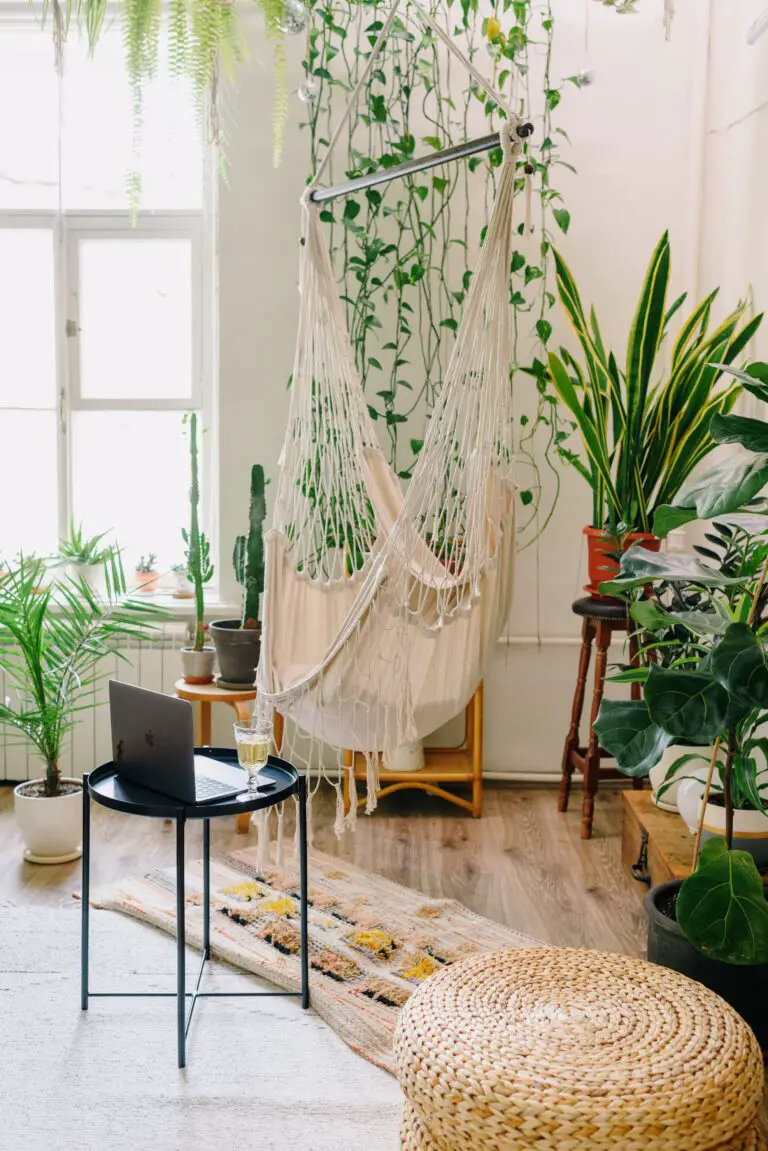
153, 744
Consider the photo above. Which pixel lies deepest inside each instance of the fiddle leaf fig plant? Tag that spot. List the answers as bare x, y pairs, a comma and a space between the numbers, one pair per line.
717, 690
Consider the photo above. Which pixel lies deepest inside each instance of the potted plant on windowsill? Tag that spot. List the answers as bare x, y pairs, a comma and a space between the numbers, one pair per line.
197, 661
238, 641
87, 558
713, 925
51, 642
642, 435
147, 575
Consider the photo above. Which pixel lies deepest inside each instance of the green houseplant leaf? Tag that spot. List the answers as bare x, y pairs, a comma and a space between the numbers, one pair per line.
640, 566
626, 730
751, 434
739, 663
722, 908
717, 492
754, 378
689, 705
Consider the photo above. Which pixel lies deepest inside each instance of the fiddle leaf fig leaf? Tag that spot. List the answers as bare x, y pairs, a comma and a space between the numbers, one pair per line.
722, 908
716, 492
739, 663
689, 705
626, 730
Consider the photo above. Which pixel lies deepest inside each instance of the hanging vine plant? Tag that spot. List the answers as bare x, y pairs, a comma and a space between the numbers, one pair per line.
204, 41
404, 252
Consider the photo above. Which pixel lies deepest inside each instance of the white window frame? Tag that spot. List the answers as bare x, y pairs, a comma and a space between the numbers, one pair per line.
67, 229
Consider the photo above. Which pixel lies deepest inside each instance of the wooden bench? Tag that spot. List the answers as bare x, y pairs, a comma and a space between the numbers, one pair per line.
656, 845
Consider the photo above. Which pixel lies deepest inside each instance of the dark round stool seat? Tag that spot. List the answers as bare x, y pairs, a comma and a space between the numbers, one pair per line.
609, 610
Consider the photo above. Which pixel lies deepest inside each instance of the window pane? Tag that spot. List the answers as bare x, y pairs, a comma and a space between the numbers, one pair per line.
98, 150
135, 319
29, 169
27, 350
130, 475
28, 482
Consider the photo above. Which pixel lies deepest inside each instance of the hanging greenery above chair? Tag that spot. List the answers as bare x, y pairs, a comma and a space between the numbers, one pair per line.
204, 42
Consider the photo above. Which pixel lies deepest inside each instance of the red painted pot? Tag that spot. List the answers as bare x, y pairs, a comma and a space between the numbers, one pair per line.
602, 552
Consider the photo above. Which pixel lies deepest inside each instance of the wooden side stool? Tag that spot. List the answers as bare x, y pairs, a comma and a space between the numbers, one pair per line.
206, 694
600, 619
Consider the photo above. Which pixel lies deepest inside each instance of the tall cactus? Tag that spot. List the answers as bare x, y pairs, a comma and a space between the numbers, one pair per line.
199, 566
248, 556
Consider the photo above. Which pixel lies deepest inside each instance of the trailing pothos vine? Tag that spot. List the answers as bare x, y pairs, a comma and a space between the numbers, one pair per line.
404, 252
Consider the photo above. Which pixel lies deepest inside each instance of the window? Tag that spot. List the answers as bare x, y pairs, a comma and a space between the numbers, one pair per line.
105, 324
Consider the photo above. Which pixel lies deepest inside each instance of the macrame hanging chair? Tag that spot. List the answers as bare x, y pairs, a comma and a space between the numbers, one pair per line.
381, 607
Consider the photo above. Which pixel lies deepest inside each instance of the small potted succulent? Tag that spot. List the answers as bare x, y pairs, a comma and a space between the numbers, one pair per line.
197, 660
713, 925
238, 641
87, 558
182, 587
147, 575
642, 435
51, 642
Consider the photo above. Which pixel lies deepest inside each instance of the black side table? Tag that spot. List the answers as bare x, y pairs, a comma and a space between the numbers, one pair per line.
105, 786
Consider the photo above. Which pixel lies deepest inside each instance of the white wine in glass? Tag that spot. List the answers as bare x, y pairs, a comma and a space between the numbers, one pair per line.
253, 743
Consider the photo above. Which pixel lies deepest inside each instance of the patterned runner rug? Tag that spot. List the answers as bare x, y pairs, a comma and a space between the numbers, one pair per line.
372, 942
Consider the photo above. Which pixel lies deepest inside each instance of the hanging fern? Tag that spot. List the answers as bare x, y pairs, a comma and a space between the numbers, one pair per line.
204, 40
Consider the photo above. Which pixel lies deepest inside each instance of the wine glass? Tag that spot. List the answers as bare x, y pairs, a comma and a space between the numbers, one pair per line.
253, 741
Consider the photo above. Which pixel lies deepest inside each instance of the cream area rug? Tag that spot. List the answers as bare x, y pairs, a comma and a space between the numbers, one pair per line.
261, 1073
372, 942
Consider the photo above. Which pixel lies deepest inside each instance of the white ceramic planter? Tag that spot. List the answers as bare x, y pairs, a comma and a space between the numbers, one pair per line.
750, 828
407, 757
52, 828
658, 774
93, 574
197, 666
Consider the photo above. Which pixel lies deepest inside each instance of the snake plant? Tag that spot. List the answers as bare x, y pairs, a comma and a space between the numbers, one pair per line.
645, 426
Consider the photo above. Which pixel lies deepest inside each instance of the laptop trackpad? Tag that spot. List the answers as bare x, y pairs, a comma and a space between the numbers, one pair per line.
225, 773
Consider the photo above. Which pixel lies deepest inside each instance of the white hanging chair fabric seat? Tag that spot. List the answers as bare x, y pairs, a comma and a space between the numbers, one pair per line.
381, 607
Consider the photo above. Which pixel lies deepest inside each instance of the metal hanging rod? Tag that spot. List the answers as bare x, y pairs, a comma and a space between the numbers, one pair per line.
421, 164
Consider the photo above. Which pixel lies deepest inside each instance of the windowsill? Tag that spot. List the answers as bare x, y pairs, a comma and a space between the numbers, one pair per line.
179, 607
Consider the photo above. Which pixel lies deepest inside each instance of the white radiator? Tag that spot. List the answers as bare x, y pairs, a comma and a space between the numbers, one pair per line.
156, 665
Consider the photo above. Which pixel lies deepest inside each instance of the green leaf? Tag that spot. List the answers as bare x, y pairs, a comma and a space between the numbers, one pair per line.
439, 184
416, 446
717, 492
689, 705
449, 323
518, 262
563, 218
751, 434
351, 210
526, 497
722, 909
651, 617
626, 730
640, 566
754, 379
433, 141
739, 663
543, 330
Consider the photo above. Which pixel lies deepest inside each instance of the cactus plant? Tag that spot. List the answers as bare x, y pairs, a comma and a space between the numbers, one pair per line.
198, 551
248, 555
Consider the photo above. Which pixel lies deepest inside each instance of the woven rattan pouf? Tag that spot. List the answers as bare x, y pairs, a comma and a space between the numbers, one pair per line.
569, 1050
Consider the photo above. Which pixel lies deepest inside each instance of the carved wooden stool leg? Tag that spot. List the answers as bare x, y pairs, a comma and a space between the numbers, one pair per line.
592, 758
572, 739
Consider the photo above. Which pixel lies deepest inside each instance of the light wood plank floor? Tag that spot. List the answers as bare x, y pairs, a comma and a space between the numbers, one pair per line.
522, 864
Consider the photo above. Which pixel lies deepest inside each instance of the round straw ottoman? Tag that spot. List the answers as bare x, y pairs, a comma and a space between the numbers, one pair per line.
566, 1050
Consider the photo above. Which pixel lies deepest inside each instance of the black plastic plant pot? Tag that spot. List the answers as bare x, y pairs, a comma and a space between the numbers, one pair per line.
745, 988
237, 650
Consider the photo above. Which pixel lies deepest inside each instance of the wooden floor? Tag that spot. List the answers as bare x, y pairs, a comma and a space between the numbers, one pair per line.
523, 864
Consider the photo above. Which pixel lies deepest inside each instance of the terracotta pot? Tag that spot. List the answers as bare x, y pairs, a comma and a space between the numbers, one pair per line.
601, 550
198, 665
51, 826
147, 581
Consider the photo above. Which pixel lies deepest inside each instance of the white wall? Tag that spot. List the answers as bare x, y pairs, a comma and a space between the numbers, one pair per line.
636, 141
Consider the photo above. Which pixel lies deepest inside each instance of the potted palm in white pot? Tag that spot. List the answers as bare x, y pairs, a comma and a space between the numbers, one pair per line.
51, 644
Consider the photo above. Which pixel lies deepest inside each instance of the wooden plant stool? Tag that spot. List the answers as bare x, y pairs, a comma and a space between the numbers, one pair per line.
600, 619
206, 694
554, 1048
442, 765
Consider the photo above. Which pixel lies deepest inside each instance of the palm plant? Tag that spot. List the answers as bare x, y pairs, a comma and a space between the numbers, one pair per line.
644, 429
51, 643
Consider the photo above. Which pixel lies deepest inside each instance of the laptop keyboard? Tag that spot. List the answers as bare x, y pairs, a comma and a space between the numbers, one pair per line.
206, 788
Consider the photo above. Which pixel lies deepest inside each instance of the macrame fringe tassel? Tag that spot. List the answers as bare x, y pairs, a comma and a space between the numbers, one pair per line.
338, 825
280, 848
371, 780
262, 828
351, 818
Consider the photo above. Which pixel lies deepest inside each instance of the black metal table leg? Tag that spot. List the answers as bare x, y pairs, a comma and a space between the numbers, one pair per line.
303, 891
181, 1003
207, 888
85, 894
